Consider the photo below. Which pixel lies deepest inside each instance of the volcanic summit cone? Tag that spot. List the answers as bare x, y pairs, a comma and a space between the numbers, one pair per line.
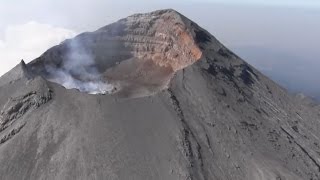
152, 96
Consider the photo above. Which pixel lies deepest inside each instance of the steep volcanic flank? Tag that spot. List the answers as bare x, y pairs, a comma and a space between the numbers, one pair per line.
177, 105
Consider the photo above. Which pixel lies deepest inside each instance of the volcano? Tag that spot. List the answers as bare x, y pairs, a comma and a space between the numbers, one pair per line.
152, 96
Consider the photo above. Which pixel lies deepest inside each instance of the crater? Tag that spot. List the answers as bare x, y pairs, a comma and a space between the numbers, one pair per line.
136, 56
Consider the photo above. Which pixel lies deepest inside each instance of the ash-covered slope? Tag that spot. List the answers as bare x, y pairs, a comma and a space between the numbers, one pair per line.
179, 105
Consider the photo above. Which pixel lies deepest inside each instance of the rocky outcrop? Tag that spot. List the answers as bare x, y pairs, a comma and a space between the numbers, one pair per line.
18, 72
16, 107
14, 112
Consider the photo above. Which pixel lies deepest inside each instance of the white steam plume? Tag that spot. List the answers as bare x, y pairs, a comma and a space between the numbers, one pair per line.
79, 71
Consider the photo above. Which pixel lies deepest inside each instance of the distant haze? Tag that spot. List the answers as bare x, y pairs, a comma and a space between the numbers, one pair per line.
280, 38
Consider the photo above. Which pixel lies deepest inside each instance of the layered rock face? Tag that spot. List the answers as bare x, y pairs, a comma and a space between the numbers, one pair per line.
177, 105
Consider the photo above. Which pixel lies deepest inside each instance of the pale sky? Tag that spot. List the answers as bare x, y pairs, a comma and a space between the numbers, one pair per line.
279, 37
283, 3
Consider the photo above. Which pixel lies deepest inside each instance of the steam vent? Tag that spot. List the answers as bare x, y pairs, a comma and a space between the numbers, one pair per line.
152, 96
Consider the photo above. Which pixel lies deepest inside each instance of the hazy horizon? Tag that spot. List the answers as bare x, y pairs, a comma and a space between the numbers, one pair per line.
280, 38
